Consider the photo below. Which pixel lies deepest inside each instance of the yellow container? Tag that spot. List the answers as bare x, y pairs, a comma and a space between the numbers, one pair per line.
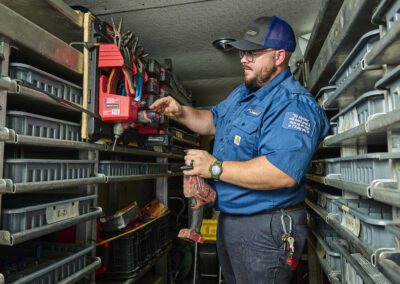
209, 230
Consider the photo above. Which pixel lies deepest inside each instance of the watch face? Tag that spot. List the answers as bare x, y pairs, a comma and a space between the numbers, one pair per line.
215, 169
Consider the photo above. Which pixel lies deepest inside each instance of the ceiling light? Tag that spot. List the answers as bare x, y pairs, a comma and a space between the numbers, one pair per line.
222, 44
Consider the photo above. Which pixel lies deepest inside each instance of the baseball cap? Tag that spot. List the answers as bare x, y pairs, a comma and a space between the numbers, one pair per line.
267, 32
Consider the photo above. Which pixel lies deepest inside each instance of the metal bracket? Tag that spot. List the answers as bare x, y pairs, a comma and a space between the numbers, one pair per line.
331, 177
371, 117
9, 85
376, 255
377, 183
7, 135
6, 186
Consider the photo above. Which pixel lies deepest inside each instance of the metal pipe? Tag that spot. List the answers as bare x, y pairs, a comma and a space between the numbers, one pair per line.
44, 185
366, 250
95, 263
390, 268
143, 152
135, 177
369, 274
39, 141
357, 188
6, 238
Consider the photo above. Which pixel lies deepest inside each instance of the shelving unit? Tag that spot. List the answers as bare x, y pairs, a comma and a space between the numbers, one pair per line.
358, 78
53, 124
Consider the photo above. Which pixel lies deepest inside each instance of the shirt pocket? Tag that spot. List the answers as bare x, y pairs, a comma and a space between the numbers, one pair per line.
244, 136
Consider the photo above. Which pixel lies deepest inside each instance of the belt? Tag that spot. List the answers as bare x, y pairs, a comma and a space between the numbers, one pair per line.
295, 207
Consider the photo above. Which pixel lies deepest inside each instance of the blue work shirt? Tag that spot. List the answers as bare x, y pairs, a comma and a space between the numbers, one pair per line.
280, 121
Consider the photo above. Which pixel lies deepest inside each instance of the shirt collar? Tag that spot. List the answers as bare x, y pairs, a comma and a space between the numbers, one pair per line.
260, 93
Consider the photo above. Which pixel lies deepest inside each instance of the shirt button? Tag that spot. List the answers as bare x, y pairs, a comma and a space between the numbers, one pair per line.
243, 123
229, 121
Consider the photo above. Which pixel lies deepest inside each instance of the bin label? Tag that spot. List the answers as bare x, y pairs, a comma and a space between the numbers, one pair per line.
352, 223
62, 212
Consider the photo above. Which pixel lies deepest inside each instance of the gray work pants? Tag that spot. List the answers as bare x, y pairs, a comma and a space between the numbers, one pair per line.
250, 248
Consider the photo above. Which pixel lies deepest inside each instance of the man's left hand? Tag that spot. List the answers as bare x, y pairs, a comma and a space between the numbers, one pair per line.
201, 161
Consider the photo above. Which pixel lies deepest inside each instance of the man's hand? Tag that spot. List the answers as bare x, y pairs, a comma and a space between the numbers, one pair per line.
168, 106
200, 161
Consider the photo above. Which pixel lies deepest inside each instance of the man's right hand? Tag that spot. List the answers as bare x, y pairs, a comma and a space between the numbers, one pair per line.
168, 106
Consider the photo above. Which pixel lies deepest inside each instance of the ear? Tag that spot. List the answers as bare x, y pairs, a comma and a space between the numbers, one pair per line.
280, 57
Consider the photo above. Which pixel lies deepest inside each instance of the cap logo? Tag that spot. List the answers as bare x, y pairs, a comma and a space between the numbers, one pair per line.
251, 33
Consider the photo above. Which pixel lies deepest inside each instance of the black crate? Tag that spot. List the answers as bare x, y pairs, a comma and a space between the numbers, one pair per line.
146, 244
125, 254
162, 232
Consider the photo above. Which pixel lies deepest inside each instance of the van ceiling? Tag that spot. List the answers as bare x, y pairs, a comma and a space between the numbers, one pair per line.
183, 31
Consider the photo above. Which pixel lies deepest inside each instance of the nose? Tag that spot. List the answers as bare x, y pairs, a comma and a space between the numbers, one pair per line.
244, 59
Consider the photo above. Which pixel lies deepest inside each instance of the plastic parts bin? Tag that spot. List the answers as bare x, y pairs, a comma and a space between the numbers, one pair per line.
41, 126
29, 211
386, 14
40, 170
117, 168
391, 82
360, 169
325, 239
47, 82
349, 74
151, 169
56, 262
367, 219
357, 113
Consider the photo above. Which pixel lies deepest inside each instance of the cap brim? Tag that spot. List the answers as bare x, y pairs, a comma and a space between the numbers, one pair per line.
242, 44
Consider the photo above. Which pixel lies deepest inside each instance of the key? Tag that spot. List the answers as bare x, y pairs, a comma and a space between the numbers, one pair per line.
285, 238
290, 242
290, 260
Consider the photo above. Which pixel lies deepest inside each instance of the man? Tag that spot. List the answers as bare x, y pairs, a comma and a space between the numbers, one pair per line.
266, 132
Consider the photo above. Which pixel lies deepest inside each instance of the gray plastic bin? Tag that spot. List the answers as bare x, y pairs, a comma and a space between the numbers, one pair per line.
357, 113
391, 82
29, 211
326, 201
55, 261
367, 219
386, 15
352, 78
325, 239
119, 168
353, 60
39, 170
349, 274
47, 82
360, 169
153, 168
41, 126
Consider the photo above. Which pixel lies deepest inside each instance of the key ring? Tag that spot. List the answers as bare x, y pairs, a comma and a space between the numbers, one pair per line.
284, 223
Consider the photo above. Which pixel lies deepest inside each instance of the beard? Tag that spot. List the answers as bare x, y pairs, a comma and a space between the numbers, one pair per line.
260, 79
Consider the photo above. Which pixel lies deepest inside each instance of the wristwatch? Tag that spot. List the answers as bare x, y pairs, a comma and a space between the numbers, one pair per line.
216, 170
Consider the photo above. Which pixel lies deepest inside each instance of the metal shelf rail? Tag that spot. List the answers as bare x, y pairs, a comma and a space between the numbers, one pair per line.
333, 276
371, 256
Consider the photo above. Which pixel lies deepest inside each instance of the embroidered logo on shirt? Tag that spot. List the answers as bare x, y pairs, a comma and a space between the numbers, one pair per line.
237, 140
253, 111
297, 122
